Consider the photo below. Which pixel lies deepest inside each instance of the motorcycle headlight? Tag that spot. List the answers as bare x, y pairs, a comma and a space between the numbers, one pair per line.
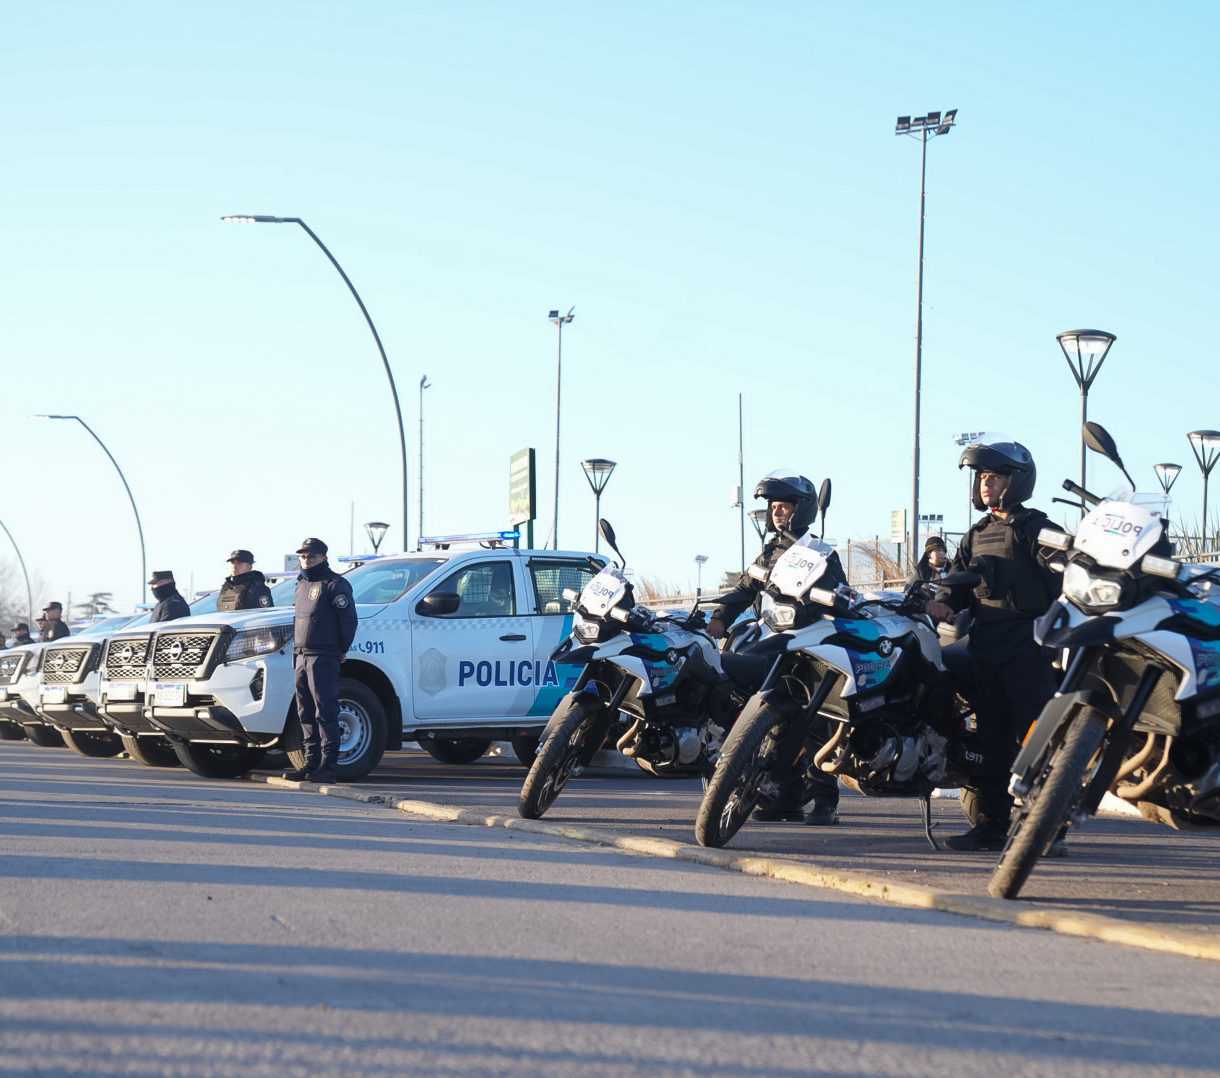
251, 642
585, 630
1092, 593
776, 615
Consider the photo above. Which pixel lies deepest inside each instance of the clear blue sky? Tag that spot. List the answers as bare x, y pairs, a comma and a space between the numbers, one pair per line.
715, 187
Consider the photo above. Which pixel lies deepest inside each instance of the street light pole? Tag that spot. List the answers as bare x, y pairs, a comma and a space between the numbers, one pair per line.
597, 471
130, 498
923, 128
964, 439
423, 384
1167, 475
1205, 445
29, 594
376, 529
264, 219
560, 321
700, 561
1085, 351
758, 517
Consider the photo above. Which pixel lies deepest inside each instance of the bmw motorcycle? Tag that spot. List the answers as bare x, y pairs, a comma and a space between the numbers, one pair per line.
1138, 710
653, 686
858, 690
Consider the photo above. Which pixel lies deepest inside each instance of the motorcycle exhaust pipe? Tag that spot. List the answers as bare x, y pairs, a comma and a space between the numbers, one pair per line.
624, 743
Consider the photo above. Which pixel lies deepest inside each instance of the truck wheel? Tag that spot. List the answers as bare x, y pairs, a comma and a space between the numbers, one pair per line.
363, 730
525, 746
99, 743
11, 731
46, 736
456, 750
218, 761
150, 751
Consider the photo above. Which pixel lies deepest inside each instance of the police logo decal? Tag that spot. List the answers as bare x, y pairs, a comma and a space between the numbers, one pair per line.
341, 601
314, 592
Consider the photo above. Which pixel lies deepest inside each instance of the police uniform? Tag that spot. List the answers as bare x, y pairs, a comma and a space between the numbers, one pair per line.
324, 628
170, 605
54, 629
1002, 669
21, 635
244, 591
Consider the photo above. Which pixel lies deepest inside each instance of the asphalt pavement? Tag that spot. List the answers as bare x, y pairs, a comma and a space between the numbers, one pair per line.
1124, 879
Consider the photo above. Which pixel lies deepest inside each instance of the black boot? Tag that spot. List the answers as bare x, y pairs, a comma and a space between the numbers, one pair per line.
325, 773
822, 815
982, 836
301, 773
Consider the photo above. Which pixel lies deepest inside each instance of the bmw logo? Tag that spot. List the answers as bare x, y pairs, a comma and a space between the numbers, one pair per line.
885, 647
671, 657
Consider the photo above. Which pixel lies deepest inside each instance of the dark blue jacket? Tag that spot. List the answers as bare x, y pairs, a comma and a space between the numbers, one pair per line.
326, 617
170, 605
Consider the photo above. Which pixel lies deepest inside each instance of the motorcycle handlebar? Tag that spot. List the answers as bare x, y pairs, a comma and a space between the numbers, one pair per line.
1080, 492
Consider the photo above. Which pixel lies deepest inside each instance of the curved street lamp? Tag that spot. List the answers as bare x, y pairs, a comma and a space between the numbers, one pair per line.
130, 498
29, 594
597, 471
1206, 446
265, 219
1085, 351
376, 529
758, 517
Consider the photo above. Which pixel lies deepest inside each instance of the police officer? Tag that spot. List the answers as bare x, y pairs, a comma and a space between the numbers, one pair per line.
21, 635
54, 629
1003, 670
792, 506
245, 588
324, 628
170, 605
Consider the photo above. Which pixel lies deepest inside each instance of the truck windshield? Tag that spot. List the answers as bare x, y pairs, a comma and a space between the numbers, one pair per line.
385, 581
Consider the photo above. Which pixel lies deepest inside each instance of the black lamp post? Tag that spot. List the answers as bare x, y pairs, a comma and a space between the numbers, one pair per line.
922, 128
1206, 446
700, 562
264, 219
423, 384
758, 517
597, 471
1167, 475
560, 321
376, 530
1085, 351
130, 498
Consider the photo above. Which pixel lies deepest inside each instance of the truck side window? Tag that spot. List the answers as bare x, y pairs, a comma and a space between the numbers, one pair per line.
550, 578
486, 590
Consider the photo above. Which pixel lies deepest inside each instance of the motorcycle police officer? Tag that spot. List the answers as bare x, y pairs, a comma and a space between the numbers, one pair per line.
245, 588
324, 627
170, 605
1003, 670
792, 506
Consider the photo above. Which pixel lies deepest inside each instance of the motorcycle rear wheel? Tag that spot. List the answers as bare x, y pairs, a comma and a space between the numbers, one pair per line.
736, 784
1049, 805
568, 744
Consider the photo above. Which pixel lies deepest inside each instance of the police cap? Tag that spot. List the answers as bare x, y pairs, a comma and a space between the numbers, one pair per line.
242, 555
312, 546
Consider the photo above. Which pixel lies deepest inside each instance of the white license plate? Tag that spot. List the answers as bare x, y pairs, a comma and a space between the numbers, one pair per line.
54, 694
121, 690
168, 694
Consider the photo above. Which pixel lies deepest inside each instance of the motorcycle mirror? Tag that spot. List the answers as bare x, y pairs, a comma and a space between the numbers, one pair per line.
1098, 439
824, 502
603, 526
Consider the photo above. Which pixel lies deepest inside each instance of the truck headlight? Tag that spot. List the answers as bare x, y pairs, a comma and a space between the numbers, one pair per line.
251, 642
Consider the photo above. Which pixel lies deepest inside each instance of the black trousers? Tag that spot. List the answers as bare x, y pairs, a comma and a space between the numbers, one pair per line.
317, 695
1007, 697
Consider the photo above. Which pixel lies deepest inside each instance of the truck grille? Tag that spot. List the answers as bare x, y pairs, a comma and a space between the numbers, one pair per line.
127, 658
179, 656
10, 667
66, 665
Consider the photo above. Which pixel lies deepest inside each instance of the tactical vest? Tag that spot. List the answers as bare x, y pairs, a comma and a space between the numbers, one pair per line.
1013, 581
231, 596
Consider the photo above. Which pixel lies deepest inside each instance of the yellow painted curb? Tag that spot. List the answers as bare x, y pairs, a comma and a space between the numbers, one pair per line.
1006, 911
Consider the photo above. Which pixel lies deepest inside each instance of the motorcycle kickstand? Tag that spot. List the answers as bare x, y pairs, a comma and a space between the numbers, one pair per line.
925, 805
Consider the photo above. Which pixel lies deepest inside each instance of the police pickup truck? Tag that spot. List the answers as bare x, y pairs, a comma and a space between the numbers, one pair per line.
452, 650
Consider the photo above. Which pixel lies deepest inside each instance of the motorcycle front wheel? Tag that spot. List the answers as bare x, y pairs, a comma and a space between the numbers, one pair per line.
1049, 805
576, 731
736, 784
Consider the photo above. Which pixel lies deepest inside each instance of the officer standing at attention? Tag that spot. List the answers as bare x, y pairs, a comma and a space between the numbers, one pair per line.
1002, 668
54, 629
323, 630
792, 506
170, 605
21, 635
245, 588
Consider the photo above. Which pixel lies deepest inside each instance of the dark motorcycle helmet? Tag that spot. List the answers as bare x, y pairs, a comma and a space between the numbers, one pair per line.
1007, 458
782, 485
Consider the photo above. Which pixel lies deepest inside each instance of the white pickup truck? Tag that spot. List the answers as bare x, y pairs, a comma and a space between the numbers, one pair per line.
452, 650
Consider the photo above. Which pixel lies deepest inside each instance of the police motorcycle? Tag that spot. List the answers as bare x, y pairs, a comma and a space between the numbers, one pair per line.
653, 685
1138, 710
859, 684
